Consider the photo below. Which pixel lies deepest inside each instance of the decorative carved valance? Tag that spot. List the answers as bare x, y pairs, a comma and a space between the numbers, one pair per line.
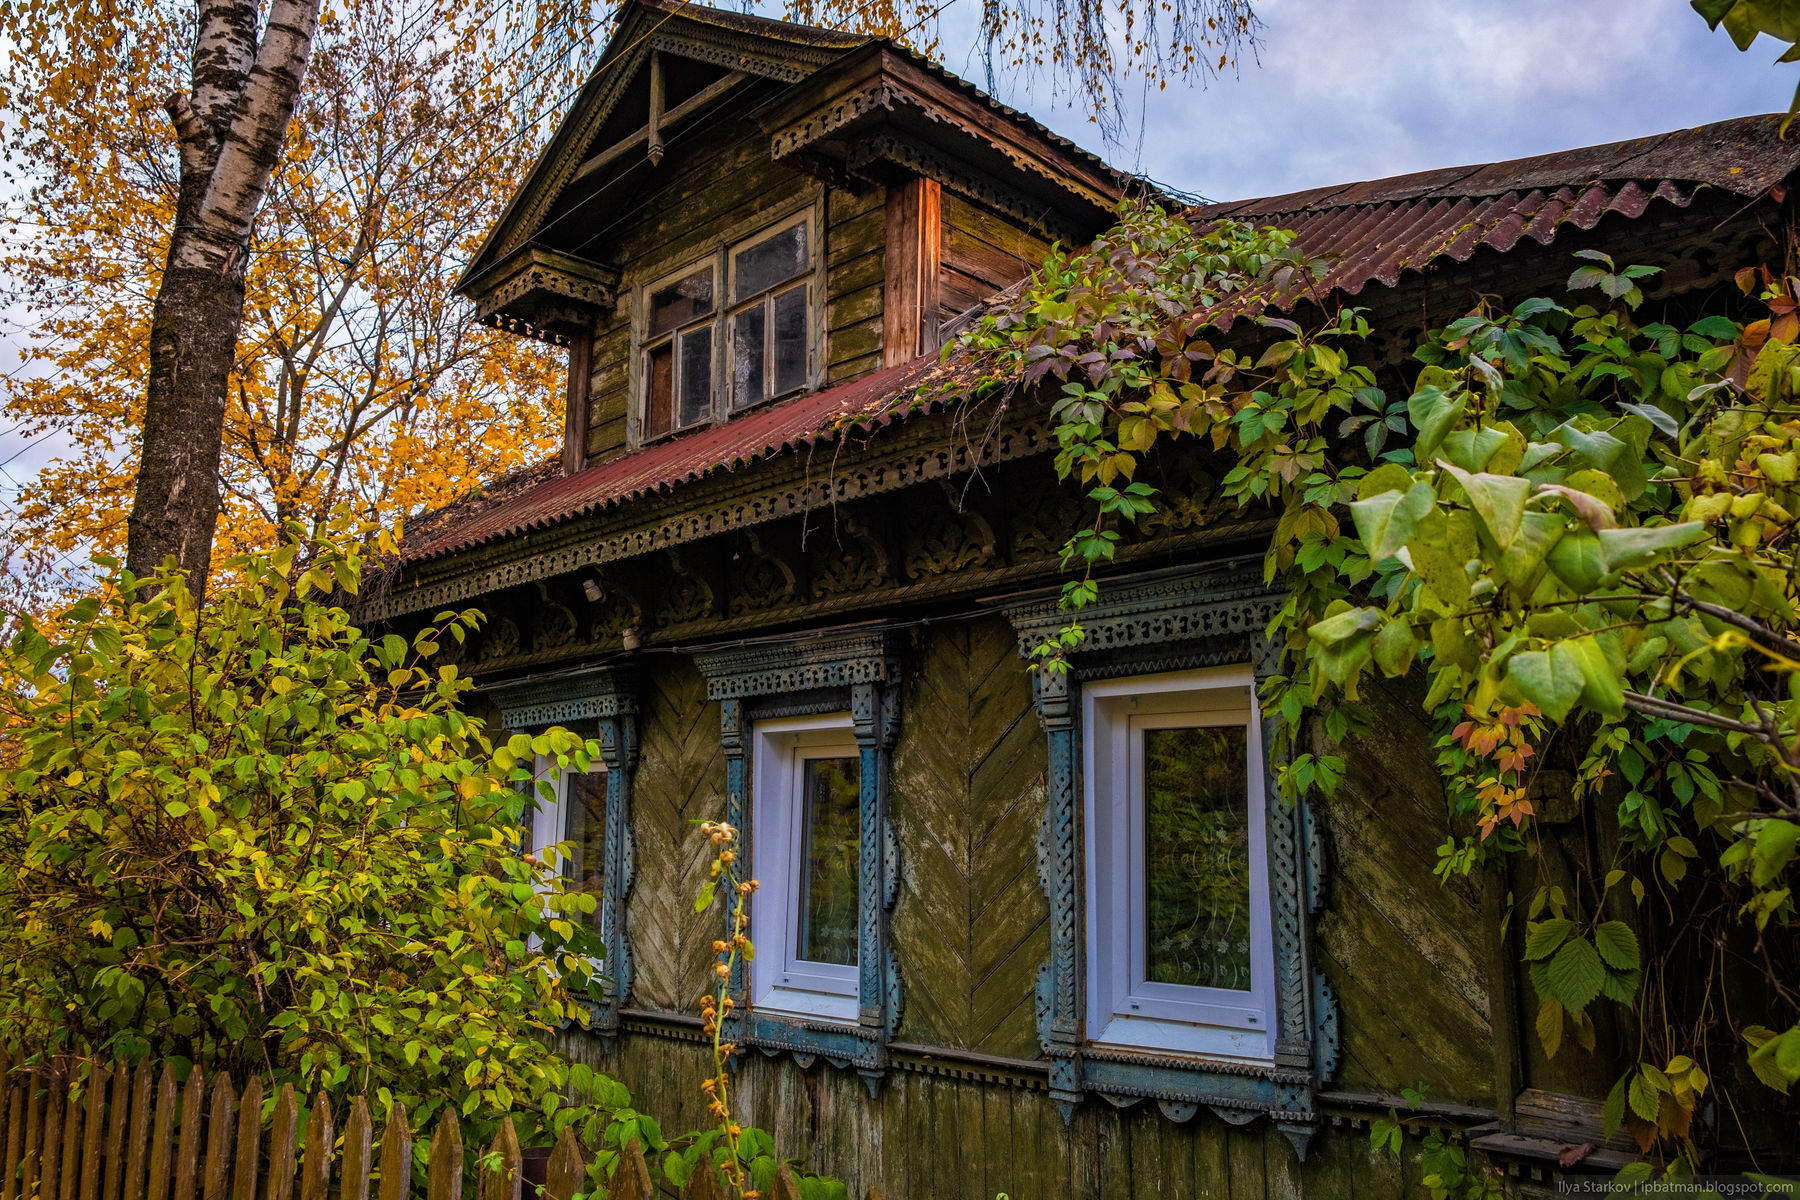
544, 294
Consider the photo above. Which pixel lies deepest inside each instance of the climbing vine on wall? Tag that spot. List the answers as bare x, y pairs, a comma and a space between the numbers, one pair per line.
1575, 527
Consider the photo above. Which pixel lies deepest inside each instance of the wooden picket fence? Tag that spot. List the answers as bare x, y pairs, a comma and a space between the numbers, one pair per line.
132, 1135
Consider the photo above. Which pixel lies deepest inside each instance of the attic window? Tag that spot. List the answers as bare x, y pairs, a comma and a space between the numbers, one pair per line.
702, 360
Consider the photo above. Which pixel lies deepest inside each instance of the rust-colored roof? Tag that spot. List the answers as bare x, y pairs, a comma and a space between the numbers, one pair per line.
764, 433
1374, 231
1379, 229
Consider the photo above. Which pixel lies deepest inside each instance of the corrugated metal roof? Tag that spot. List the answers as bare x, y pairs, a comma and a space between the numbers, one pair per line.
1379, 229
764, 433
1375, 231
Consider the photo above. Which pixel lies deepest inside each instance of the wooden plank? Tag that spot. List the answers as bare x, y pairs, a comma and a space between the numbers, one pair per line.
118, 1112
162, 1136
91, 1131
909, 307
50, 1148
443, 1174
1244, 1151
69, 1173
631, 1175
359, 1135
282, 1137
34, 1134
315, 1160
575, 403
12, 1136
396, 1157
249, 1135
567, 1171
503, 1181
856, 307
138, 1133
193, 1132
865, 270
217, 1174
851, 342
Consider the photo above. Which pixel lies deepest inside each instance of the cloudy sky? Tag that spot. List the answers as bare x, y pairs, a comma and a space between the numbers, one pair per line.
1357, 89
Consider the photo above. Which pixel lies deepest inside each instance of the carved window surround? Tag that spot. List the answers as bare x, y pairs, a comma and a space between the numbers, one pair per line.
1171, 621
602, 702
544, 294
859, 672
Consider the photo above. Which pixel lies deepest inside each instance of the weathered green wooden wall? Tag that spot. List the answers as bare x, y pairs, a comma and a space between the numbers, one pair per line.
983, 253
967, 791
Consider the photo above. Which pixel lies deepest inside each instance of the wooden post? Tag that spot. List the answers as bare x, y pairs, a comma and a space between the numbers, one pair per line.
90, 1133
631, 1174
653, 143
118, 1113
567, 1170
193, 1124
249, 1133
69, 1177
396, 1156
910, 293
162, 1136
218, 1139
359, 1136
281, 1145
444, 1171
575, 411
50, 1149
34, 1119
138, 1134
503, 1183
315, 1161
12, 1127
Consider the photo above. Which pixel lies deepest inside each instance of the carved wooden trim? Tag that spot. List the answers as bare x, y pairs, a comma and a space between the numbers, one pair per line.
607, 696
1164, 621
863, 670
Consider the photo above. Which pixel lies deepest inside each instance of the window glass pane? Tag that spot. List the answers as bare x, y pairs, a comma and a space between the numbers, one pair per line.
680, 302
659, 392
790, 340
696, 376
747, 356
775, 259
1197, 857
584, 827
828, 900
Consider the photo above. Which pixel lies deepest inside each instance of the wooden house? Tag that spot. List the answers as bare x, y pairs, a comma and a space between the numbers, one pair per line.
785, 598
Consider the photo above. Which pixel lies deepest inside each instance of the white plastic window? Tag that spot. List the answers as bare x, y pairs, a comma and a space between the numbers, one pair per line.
805, 832
1180, 953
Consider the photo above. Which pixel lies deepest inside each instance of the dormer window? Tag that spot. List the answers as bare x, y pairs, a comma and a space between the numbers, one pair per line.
702, 360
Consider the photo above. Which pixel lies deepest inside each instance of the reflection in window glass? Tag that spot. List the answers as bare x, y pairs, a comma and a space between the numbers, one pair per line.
790, 340
680, 302
747, 347
828, 892
1197, 857
696, 376
659, 392
775, 259
585, 830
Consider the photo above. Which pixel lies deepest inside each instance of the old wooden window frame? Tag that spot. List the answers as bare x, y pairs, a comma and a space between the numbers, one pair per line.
804, 281
1182, 619
557, 811
600, 702
808, 675
718, 253
780, 981
1126, 1011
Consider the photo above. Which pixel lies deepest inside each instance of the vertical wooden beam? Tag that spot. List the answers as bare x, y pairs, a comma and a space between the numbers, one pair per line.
909, 303
249, 1134
654, 143
396, 1156
575, 415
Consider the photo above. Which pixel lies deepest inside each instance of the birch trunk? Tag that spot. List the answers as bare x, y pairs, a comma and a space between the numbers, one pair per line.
230, 125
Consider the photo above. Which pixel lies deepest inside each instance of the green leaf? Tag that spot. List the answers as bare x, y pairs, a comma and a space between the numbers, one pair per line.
1774, 849
1601, 688
1344, 642
1499, 500
1386, 522
1550, 1026
1623, 549
1471, 449
1394, 648
1578, 560
704, 900
1543, 937
1614, 1113
1576, 974
1642, 1097
1618, 945
1433, 413
1551, 679
1656, 416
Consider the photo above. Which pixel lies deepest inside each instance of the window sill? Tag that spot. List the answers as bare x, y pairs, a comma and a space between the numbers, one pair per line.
1147, 1034
807, 1006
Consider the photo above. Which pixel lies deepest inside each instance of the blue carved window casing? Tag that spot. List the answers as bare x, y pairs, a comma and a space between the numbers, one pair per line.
1180, 620
599, 702
858, 673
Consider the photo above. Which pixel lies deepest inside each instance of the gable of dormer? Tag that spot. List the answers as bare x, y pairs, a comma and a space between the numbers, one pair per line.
736, 211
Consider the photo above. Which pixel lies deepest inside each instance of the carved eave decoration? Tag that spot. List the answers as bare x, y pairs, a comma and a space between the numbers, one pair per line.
544, 294
747, 47
882, 114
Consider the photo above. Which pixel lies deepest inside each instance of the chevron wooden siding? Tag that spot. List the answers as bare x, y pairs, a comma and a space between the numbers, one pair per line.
966, 793
680, 779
